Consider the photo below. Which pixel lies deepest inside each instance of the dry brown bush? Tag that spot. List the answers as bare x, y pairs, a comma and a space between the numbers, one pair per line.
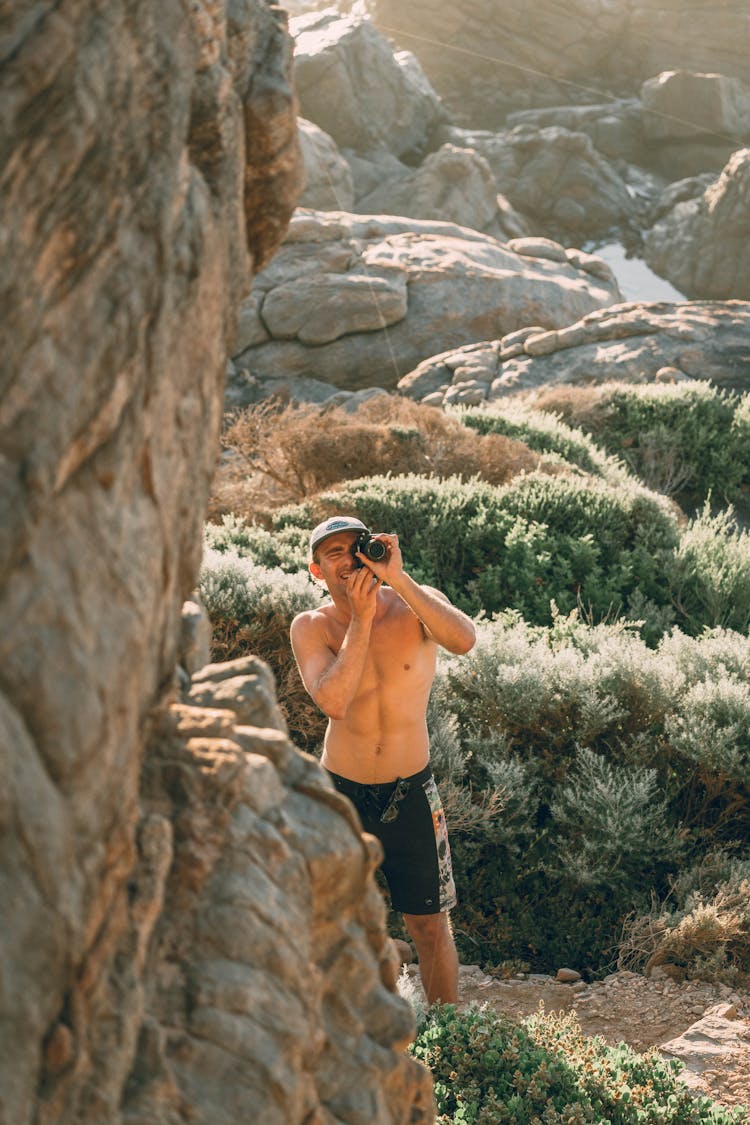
582, 407
277, 454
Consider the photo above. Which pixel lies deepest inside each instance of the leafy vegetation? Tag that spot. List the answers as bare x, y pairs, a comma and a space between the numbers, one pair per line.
489, 1070
596, 741
689, 440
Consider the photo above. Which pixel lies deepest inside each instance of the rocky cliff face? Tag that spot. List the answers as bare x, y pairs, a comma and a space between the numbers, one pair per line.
548, 47
149, 166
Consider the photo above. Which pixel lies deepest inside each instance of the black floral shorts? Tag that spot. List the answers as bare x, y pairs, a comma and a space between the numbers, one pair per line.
407, 817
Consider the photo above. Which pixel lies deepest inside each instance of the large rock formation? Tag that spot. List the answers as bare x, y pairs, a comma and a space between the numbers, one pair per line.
522, 54
358, 301
557, 178
627, 343
702, 245
352, 85
149, 163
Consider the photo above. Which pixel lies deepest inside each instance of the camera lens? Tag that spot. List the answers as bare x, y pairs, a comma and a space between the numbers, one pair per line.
375, 550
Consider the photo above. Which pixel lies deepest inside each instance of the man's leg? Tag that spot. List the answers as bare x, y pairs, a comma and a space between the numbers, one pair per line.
438, 960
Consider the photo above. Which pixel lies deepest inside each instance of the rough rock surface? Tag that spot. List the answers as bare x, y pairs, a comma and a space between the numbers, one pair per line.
453, 184
681, 104
628, 342
148, 163
541, 50
271, 979
352, 85
328, 177
703, 244
615, 128
358, 301
556, 178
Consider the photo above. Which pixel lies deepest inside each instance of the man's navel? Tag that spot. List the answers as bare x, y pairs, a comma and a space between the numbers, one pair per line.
407, 667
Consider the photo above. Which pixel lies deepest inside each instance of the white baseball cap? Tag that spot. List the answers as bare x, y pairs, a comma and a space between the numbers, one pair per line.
331, 526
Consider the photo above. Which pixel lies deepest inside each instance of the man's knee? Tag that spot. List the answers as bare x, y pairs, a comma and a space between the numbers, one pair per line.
427, 926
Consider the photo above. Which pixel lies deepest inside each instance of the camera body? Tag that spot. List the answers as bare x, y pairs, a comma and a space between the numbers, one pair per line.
373, 549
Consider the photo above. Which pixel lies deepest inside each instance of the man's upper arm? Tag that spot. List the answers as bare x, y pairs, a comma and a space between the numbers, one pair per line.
310, 649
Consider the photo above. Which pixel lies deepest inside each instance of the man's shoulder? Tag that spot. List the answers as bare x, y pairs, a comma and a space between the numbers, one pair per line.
309, 618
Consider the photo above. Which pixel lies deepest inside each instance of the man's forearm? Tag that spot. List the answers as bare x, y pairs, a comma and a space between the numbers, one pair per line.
447, 626
338, 685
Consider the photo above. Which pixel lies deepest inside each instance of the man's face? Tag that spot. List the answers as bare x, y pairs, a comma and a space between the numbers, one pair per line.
336, 563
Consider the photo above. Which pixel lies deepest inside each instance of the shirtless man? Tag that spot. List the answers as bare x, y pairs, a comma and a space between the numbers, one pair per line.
368, 659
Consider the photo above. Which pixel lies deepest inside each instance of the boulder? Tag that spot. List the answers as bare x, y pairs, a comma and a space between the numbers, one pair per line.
357, 301
328, 177
680, 104
556, 178
272, 979
627, 343
453, 184
702, 246
351, 84
717, 1041
615, 128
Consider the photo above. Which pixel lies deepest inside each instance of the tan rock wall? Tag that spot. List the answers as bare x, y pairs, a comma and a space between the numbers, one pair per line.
497, 49
148, 165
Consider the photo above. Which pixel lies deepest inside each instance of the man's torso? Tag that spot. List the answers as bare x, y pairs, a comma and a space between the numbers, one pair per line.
384, 733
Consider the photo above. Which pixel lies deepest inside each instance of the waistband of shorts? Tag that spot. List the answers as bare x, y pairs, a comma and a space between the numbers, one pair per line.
347, 786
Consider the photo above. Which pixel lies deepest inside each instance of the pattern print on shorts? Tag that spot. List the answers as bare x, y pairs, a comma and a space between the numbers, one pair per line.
445, 868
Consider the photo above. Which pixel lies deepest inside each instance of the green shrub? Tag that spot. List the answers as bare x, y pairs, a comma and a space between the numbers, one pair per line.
525, 544
710, 575
285, 548
545, 433
489, 1070
578, 745
251, 609
688, 440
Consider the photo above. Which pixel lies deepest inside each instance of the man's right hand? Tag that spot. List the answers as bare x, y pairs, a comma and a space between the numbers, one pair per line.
362, 592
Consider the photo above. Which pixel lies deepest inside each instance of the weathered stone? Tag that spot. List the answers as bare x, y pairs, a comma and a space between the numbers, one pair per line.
460, 286
334, 305
709, 1043
195, 637
149, 164
615, 128
453, 184
557, 179
535, 52
328, 177
353, 86
703, 245
680, 104
627, 343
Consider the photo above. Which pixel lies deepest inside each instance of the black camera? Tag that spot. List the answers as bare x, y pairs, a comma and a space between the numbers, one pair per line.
373, 549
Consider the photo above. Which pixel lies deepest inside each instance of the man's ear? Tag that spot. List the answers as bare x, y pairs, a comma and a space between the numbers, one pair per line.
316, 571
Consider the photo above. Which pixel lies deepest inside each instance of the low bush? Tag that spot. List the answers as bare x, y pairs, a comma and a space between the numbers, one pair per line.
710, 575
536, 540
545, 433
688, 440
251, 609
576, 746
489, 1070
276, 454
702, 927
